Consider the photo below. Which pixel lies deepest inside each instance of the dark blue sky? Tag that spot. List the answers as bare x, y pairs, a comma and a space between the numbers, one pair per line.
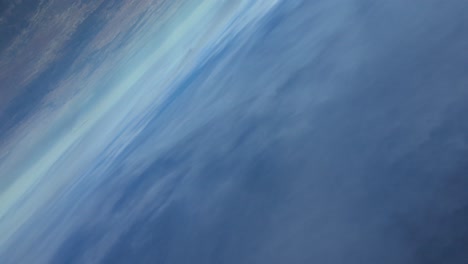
323, 132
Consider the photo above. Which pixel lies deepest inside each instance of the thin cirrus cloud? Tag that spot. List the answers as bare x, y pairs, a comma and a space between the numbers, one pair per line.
249, 132
90, 106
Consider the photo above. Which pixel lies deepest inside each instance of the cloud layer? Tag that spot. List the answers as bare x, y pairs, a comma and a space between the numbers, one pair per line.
247, 132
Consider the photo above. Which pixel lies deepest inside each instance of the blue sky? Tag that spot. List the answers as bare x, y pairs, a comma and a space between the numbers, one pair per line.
238, 132
94, 108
